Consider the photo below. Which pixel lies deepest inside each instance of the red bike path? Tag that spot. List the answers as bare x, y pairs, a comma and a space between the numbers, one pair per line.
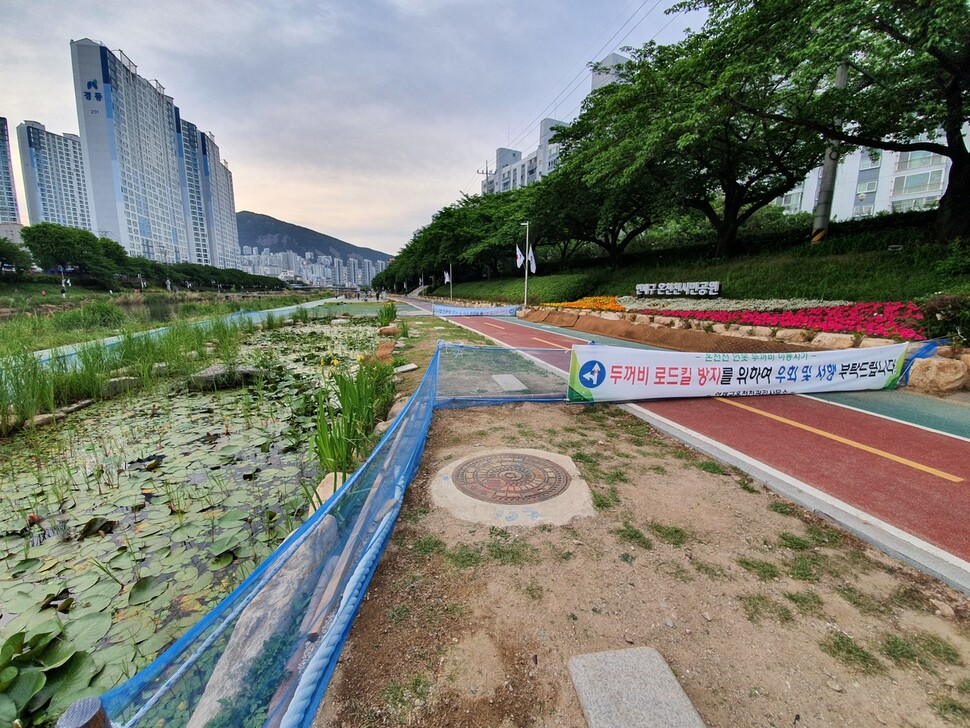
911, 478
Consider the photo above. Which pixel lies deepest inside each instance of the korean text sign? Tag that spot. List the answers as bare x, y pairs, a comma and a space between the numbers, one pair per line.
615, 373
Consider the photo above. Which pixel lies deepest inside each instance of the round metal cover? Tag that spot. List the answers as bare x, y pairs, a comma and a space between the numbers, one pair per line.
510, 478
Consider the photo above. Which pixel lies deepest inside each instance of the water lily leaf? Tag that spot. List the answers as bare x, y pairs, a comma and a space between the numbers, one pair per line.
233, 518
84, 581
66, 685
145, 589
8, 710
222, 560
226, 542
7, 676
57, 653
26, 685
24, 566
96, 526
87, 630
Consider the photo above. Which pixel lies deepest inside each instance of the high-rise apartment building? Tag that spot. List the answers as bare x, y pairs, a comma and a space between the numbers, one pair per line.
53, 175
8, 198
155, 182
870, 181
513, 171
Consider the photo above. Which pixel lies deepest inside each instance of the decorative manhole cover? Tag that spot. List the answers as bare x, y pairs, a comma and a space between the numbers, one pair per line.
510, 478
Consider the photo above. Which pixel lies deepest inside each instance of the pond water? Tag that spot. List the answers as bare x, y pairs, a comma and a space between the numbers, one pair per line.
135, 516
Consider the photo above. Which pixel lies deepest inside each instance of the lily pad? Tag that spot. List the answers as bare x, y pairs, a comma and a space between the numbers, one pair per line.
145, 589
87, 630
25, 686
222, 560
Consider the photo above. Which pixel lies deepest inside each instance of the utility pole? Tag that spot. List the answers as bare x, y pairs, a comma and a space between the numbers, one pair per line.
826, 190
485, 173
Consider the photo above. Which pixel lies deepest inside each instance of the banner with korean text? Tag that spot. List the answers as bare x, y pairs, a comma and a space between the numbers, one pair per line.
616, 373
439, 310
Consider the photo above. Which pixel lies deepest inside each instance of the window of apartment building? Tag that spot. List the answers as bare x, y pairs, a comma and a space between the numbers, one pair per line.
871, 158
791, 201
919, 203
862, 210
917, 160
865, 187
915, 183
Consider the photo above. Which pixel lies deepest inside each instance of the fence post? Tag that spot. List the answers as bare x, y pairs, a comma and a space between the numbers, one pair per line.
84, 713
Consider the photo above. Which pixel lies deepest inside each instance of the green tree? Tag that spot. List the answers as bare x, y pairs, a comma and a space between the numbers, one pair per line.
908, 87
53, 246
13, 255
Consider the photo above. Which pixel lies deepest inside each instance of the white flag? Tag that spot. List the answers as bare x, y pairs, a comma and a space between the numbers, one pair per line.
519, 258
447, 277
532, 260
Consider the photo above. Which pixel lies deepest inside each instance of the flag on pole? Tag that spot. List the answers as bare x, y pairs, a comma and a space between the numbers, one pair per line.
532, 260
519, 258
447, 277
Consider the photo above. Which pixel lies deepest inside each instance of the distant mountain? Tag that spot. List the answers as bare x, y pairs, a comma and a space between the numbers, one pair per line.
262, 231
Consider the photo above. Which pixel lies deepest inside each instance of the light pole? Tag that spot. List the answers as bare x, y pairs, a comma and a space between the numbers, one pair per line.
526, 265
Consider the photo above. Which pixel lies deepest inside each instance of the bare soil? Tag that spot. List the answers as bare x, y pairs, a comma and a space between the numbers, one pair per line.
767, 615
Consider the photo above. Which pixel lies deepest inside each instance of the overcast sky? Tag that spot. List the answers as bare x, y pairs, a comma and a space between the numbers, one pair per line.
355, 118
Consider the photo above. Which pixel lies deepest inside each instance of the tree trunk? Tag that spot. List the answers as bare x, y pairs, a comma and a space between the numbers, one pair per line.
952, 220
727, 235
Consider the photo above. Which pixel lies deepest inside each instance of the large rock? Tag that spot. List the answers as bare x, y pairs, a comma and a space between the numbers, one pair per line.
938, 375
796, 336
871, 343
219, 376
833, 341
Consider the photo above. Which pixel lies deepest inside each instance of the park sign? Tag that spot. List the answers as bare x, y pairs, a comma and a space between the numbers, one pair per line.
616, 373
710, 289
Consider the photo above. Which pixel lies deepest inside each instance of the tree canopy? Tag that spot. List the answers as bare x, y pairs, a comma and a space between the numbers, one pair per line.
725, 122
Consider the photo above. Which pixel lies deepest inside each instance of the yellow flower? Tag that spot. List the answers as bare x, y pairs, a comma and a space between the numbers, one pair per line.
334, 362
360, 357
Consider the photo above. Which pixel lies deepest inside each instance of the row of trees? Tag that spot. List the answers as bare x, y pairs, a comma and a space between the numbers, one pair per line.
58, 249
724, 122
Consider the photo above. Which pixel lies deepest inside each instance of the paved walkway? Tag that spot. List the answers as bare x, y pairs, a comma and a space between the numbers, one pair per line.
892, 467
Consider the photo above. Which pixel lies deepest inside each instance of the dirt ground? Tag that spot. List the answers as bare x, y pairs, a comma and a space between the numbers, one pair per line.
767, 615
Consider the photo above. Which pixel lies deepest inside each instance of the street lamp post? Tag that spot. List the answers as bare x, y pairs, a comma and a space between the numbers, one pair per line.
526, 264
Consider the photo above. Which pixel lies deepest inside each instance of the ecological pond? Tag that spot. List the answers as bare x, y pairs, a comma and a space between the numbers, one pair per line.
125, 522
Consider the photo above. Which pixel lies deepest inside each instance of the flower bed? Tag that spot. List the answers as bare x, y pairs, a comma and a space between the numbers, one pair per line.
884, 320
593, 303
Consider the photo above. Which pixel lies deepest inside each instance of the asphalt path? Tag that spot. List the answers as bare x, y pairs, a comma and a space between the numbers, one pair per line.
898, 476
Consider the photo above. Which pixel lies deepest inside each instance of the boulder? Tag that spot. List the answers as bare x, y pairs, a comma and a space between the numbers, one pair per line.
833, 341
938, 375
219, 376
761, 332
871, 343
117, 385
795, 336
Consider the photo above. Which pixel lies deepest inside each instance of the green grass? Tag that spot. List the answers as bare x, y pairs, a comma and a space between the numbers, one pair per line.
807, 602
427, 545
793, 542
757, 606
865, 603
952, 710
808, 567
673, 535
712, 571
845, 649
779, 506
631, 534
963, 687
515, 553
534, 591
465, 557
399, 613
824, 536
709, 466
764, 570
605, 501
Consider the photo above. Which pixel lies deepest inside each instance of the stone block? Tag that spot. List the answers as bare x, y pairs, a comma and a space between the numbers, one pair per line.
826, 340
871, 343
632, 688
117, 385
665, 320
761, 332
938, 375
795, 336
611, 315
719, 328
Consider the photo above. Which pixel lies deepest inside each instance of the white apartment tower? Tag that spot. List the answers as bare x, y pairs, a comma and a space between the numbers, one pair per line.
155, 182
53, 174
8, 198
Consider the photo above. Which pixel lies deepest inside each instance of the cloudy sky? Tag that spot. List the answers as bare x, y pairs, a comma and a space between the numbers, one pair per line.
356, 118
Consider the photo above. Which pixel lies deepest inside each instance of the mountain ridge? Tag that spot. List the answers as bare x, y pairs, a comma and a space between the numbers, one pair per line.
264, 231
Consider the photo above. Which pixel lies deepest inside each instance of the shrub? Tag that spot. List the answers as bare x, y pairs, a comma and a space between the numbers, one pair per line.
946, 314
